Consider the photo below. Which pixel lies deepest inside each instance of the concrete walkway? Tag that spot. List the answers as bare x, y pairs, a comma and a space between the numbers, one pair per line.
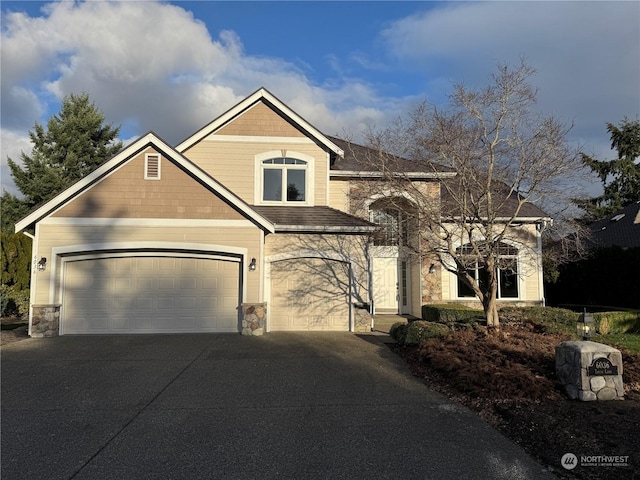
281, 406
382, 323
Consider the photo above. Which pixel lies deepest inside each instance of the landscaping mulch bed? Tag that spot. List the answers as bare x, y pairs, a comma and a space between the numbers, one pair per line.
509, 380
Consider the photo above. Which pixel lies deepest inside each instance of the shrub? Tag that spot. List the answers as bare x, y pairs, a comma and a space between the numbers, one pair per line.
398, 332
449, 314
420, 330
554, 320
604, 325
13, 301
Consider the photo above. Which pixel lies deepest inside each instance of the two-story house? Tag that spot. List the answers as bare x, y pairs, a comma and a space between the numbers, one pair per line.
249, 224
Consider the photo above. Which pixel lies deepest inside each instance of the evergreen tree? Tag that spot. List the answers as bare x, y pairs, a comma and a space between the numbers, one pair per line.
621, 177
74, 143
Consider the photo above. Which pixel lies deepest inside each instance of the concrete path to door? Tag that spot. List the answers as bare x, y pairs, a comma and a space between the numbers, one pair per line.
281, 406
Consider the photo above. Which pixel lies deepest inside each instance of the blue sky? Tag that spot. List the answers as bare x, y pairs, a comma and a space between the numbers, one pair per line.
172, 67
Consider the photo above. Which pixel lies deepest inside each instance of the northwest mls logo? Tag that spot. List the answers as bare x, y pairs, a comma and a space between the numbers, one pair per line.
569, 461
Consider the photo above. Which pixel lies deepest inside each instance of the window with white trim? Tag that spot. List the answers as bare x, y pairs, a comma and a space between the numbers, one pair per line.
284, 180
152, 166
507, 270
392, 225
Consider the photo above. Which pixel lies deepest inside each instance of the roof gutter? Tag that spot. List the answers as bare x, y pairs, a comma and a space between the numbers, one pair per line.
412, 175
322, 229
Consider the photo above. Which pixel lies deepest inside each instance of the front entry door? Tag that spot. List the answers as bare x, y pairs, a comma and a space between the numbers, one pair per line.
385, 284
391, 292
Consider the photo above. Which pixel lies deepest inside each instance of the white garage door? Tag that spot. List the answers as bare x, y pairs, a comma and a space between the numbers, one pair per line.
309, 294
150, 295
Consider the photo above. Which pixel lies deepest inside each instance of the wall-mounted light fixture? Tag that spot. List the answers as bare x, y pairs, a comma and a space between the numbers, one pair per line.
42, 264
432, 268
252, 265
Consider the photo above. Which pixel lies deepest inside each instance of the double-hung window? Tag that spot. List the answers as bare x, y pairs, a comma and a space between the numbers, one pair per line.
284, 180
507, 270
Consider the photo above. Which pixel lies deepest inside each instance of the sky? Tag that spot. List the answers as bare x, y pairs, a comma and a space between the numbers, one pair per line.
172, 67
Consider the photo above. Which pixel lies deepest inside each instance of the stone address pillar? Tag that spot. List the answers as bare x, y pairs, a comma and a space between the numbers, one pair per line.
590, 371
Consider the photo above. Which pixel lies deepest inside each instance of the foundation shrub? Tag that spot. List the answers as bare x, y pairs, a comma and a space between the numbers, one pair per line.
553, 320
398, 332
419, 330
449, 314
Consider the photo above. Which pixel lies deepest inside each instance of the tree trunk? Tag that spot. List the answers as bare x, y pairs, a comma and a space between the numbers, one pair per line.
489, 301
491, 311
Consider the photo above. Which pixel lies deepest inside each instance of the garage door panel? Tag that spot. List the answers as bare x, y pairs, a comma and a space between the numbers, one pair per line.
309, 294
150, 294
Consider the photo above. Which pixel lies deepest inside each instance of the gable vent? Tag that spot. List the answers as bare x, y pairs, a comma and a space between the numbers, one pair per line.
152, 166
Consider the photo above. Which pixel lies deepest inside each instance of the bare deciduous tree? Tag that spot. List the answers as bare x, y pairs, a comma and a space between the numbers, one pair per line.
500, 158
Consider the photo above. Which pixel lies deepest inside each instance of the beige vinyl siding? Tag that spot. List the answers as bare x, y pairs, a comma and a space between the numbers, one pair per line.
339, 194
234, 165
126, 194
51, 236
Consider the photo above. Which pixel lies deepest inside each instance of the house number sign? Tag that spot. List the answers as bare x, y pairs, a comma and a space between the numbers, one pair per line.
602, 366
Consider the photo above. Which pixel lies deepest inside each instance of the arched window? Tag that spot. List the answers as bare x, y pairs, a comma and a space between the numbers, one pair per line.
393, 227
507, 272
284, 180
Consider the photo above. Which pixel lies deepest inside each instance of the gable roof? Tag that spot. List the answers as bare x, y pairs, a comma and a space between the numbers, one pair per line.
622, 229
260, 95
126, 154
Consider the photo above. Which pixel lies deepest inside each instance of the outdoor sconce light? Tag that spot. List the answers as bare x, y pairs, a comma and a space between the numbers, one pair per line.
252, 265
432, 268
585, 326
42, 264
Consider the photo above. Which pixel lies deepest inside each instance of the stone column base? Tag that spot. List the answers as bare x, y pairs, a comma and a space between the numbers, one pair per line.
254, 318
45, 321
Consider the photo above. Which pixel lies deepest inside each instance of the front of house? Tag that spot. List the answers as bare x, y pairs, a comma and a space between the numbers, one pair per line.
249, 225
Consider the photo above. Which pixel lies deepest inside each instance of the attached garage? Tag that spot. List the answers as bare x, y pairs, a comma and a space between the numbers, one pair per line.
309, 294
150, 294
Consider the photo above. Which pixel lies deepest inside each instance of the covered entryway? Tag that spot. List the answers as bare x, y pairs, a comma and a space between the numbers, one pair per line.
309, 294
150, 294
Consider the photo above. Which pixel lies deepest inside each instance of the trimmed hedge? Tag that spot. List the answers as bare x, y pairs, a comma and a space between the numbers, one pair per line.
449, 314
561, 320
413, 333
617, 322
555, 320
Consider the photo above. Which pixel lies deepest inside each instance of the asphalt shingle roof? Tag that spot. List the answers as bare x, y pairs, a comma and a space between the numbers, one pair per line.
621, 229
286, 218
358, 158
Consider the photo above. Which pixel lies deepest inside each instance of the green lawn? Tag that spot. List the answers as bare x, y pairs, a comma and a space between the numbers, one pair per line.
628, 341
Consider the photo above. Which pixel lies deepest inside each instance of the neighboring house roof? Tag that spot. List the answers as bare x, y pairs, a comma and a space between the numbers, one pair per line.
621, 229
361, 160
150, 139
319, 218
264, 95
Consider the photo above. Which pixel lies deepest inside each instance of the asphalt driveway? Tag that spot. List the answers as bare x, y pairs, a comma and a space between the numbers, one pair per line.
299, 406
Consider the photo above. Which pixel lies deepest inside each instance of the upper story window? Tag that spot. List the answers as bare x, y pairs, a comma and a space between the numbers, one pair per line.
284, 180
507, 270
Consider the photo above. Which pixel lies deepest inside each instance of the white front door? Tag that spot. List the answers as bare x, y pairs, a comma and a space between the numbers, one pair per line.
385, 284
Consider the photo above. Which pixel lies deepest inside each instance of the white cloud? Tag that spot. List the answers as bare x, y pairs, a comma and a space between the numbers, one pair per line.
587, 54
13, 144
151, 66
